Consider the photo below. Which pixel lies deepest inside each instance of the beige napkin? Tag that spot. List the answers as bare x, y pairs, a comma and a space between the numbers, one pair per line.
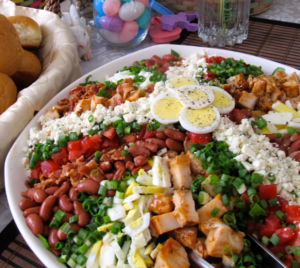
60, 61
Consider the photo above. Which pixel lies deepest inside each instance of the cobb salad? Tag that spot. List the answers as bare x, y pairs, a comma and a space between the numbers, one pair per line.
131, 171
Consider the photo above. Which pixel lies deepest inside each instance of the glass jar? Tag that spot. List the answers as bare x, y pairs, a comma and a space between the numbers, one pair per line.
122, 23
223, 22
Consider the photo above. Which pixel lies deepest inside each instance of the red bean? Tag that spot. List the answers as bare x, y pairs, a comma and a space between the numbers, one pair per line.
295, 156
27, 203
294, 147
160, 143
88, 186
130, 165
105, 166
110, 192
46, 207
51, 190
109, 176
35, 223
83, 216
162, 69
271, 137
73, 194
169, 57
286, 141
138, 150
148, 62
52, 238
67, 217
33, 210
160, 135
155, 58
63, 236
63, 189
174, 145
174, 134
136, 170
65, 204
140, 160
295, 137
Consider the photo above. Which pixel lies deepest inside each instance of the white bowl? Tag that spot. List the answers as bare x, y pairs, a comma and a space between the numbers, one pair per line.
15, 175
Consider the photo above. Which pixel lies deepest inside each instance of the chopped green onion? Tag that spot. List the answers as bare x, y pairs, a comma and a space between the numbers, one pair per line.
195, 185
126, 176
263, 203
63, 258
174, 53
59, 245
122, 186
106, 219
91, 118
257, 211
257, 178
294, 193
239, 203
71, 233
110, 201
65, 227
280, 256
200, 178
81, 196
265, 240
217, 188
274, 239
54, 224
251, 191
116, 227
271, 177
229, 218
113, 185
98, 154
273, 202
44, 241
214, 212
225, 200
66, 249
290, 130
92, 226
83, 233
119, 195
281, 69
125, 152
280, 215
212, 179
102, 190
260, 122
71, 262
292, 226
81, 259
73, 136
295, 264
63, 141
253, 198
278, 135
59, 215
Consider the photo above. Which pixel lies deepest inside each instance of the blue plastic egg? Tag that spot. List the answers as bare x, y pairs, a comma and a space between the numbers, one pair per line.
98, 4
143, 20
140, 32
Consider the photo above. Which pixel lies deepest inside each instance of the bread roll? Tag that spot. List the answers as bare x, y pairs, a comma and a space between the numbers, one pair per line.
29, 70
28, 30
8, 92
11, 52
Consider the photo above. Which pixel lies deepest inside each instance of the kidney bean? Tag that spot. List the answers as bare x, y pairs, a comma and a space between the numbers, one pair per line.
27, 203
110, 192
65, 204
33, 210
294, 147
105, 166
286, 141
39, 196
166, 65
148, 62
46, 230
67, 217
278, 142
160, 135
295, 156
136, 170
162, 69
130, 165
88, 186
238, 117
160, 63
174, 134
119, 164
51, 190
140, 143
160, 143
151, 147
130, 137
55, 209
109, 176
63, 236
169, 57
73, 194
140, 160
53, 238
63, 189
155, 58
128, 158
46, 207
174, 145
119, 172
83, 216
271, 137
35, 223
246, 112
136, 150
283, 148
295, 137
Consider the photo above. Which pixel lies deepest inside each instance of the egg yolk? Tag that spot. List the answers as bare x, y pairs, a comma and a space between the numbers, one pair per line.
167, 108
197, 95
182, 81
201, 117
221, 100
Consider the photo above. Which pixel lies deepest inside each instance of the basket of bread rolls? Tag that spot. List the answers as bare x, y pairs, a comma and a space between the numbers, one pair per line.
38, 58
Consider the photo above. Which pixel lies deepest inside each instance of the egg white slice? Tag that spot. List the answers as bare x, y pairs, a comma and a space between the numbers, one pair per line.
220, 100
194, 96
208, 112
173, 84
166, 104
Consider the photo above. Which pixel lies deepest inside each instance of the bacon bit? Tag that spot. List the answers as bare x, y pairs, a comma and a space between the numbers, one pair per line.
113, 155
86, 170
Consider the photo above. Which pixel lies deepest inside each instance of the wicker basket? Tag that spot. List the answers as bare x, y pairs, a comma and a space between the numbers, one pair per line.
191, 6
50, 5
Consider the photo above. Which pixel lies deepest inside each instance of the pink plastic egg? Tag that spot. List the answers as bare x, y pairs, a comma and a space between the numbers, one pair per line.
111, 7
128, 31
144, 2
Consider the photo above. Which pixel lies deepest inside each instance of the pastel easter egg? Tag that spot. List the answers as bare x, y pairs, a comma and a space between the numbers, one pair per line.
98, 4
112, 24
111, 7
143, 20
131, 11
140, 32
128, 31
125, 1
111, 36
97, 22
144, 2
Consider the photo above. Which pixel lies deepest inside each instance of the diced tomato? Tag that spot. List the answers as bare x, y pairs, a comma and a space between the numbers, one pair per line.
272, 223
292, 213
295, 241
95, 139
199, 138
283, 204
142, 132
267, 192
216, 59
90, 144
36, 171
130, 137
285, 234
49, 166
149, 134
278, 249
230, 116
287, 260
73, 155
246, 198
109, 133
74, 145
107, 143
60, 157
209, 75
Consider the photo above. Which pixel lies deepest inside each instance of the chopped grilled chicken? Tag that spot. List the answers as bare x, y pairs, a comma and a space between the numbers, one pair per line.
259, 87
271, 84
181, 171
276, 94
170, 154
229, 88
239, 81
185, 211
283, 96
196, 165
172, 255
294, 102
82, 106
161, 204
200, 248
291, 88
52, 113
247, 100
280, 75
221, 239
293, 76
264, 103
187, 236
227, 261
134, 95
97, 100
250, 81
165, 223
205, 211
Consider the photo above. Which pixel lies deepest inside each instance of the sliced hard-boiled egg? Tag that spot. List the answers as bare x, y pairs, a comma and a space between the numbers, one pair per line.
282, 108
194, 96
222, 101
175, 83
200, 121
278, 118
166, 108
